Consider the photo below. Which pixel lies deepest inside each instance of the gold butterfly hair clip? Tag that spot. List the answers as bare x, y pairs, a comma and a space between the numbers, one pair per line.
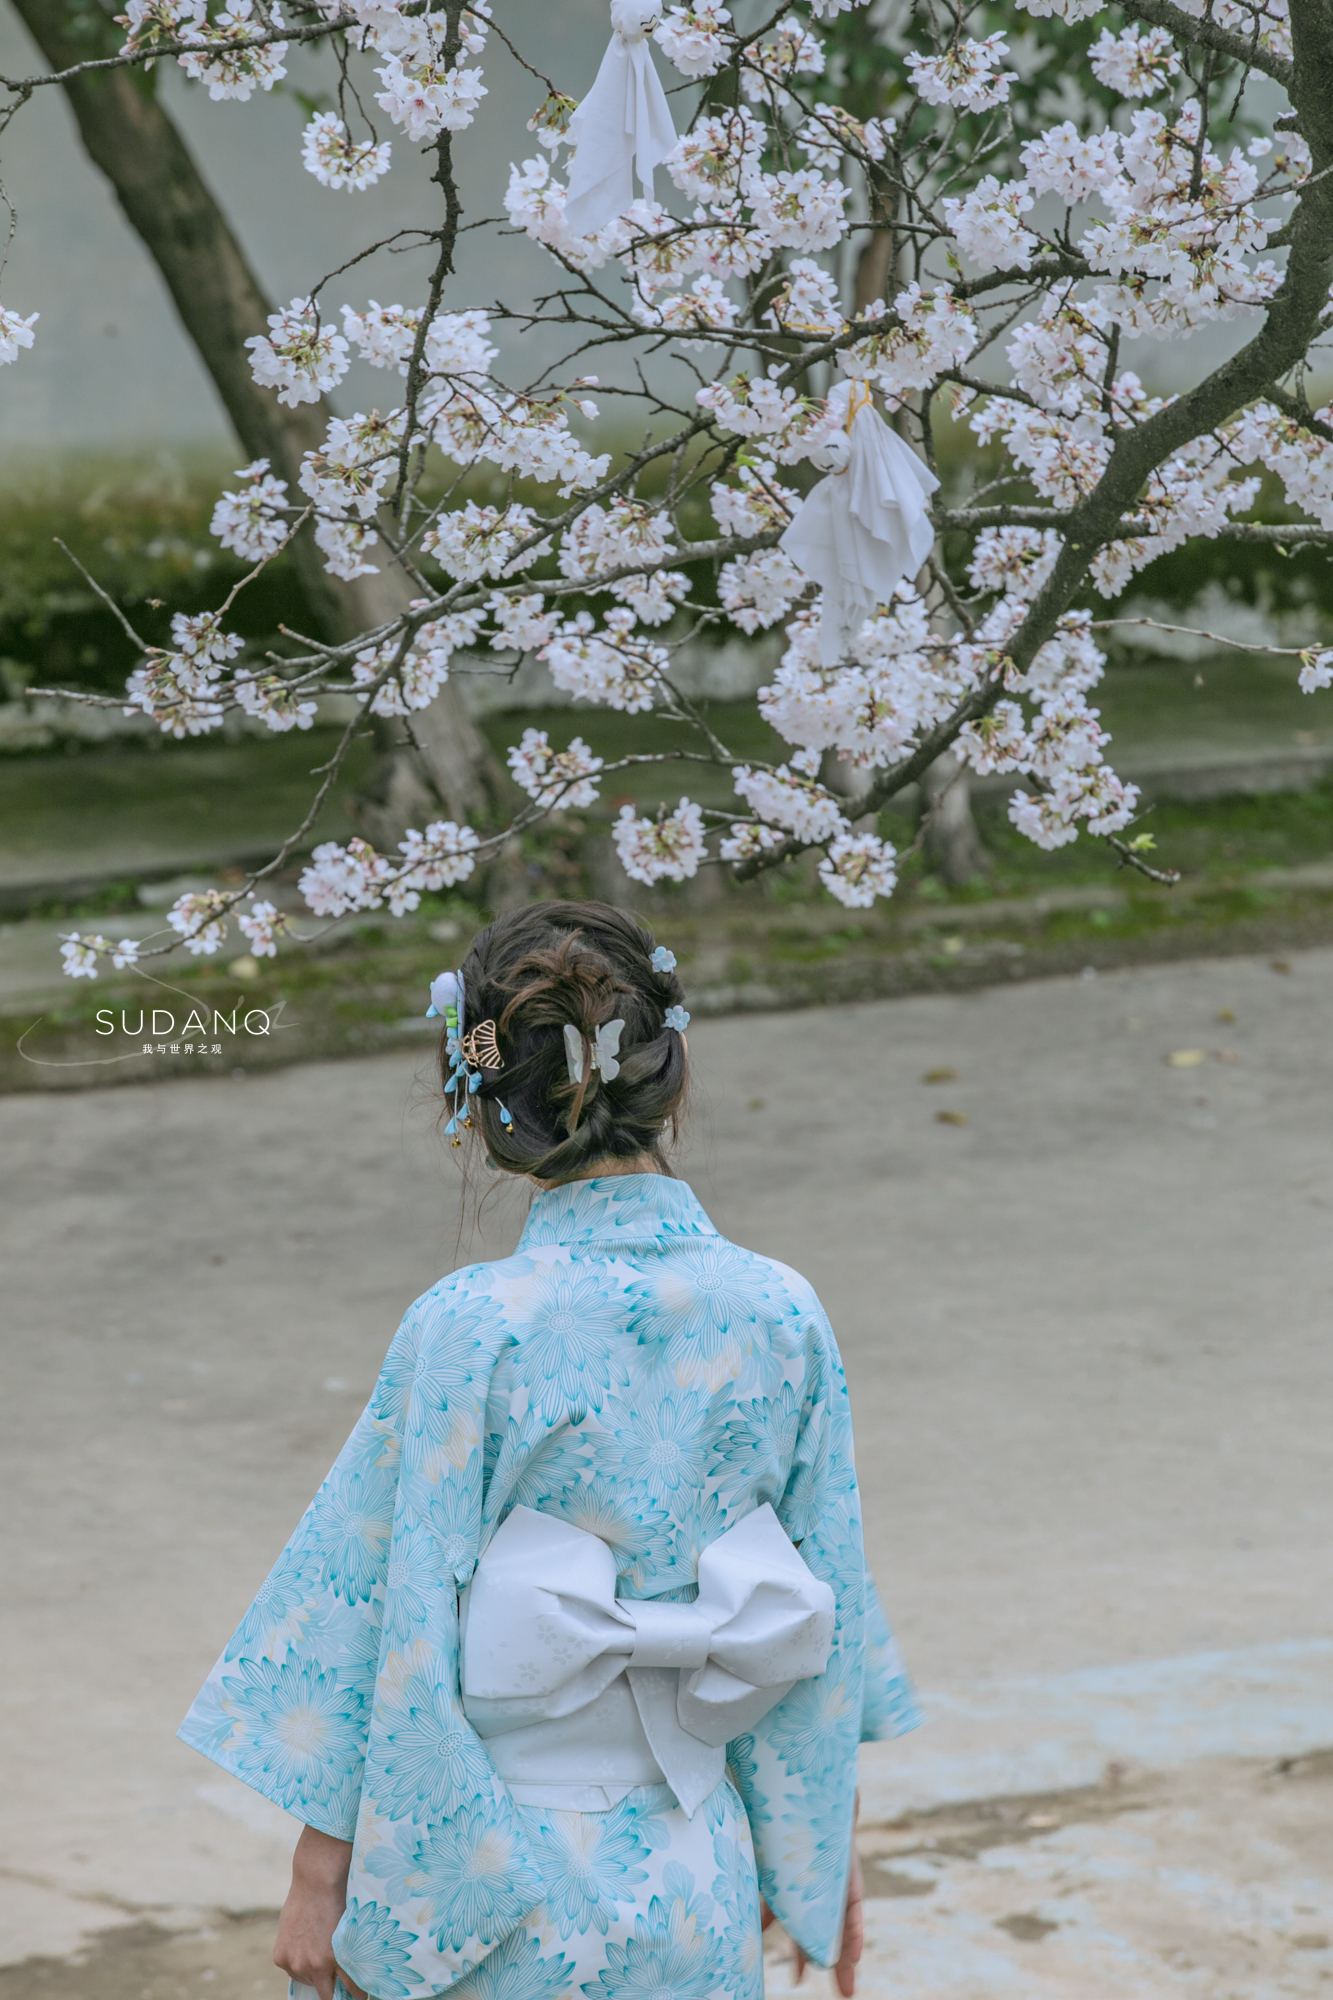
480, 1048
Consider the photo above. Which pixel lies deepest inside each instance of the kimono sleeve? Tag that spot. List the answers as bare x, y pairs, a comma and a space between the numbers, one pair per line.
797, 1771
338, 1696
287, 1706
888, 1701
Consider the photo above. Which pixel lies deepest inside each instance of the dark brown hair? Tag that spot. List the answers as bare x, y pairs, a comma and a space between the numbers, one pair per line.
532, 971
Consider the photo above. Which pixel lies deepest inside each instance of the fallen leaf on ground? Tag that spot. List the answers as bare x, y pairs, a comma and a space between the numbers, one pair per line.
941, 1075
1225, 1055
1226, 1014
951, 1117
1185, 1058
1279, 965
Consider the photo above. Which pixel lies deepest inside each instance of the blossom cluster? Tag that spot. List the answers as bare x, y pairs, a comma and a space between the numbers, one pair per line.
233, 52
15, 333
555, 779
340, 880
398, 676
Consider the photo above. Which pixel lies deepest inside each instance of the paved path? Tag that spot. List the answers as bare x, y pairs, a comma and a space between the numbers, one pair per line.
1087, 1338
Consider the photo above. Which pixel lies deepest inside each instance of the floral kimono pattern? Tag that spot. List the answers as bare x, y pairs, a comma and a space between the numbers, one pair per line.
629, 1369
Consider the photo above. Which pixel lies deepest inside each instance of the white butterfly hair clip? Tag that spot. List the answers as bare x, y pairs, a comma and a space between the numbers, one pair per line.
604, 1049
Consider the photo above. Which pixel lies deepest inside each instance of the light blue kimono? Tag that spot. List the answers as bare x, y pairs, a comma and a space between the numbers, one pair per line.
631, 1370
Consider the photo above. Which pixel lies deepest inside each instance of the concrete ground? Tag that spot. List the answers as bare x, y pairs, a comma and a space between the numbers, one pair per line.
1085, 1319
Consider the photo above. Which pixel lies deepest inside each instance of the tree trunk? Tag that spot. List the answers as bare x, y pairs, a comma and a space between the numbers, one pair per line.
874, 269
952, 843
127, 134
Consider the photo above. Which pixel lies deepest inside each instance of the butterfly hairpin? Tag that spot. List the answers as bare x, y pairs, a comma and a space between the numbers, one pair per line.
605, 1048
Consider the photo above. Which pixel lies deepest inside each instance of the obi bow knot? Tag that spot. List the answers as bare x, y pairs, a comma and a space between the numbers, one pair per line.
545, 1635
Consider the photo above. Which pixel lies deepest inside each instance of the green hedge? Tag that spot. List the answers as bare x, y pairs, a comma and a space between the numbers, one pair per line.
142, 533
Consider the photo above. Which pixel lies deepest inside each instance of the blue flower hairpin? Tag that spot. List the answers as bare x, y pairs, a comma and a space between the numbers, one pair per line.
470, 1054
663, 960
677, 1018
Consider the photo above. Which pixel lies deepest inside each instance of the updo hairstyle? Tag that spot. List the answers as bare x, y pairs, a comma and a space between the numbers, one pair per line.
532, 971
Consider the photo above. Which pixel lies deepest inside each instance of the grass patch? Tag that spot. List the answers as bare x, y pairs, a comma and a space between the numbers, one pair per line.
1209, 840
142, 797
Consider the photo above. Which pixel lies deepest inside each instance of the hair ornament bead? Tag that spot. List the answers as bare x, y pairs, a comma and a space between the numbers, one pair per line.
663, 960
677, 1018
604, 1043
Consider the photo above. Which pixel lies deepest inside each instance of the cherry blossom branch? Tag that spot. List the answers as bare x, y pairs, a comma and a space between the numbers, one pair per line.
1214, 638
316, 31
1207, 33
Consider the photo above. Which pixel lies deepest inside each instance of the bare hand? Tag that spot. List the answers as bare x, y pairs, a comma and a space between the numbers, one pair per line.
853, 1930
303, 1948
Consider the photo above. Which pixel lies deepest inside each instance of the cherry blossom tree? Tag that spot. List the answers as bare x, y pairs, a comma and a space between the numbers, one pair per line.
955, 222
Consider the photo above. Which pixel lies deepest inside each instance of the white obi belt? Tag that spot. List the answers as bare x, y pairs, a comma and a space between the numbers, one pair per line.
580, 1695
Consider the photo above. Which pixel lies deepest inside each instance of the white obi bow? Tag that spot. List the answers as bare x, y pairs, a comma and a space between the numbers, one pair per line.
544, 1635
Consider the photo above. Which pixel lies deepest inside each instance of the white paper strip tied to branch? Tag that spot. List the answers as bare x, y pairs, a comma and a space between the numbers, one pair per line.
859, 532
624, 119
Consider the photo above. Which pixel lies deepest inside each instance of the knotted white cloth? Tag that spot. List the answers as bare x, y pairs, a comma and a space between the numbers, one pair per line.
545, 1638
861, 530
624, 118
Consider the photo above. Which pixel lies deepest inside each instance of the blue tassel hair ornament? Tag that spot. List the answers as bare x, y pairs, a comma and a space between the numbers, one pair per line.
470, 1054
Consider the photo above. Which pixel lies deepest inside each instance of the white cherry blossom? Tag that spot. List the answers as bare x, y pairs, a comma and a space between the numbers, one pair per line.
231, 71
427, 98
555, 779
1135, 65
607, 664
261, 926
858, 867
967, 75
1071, 165
79, 955
985, 224
757, 590
300, 357
337, 161
668, 849
247, 522
199, 918
787, 798
695, 39
14, 334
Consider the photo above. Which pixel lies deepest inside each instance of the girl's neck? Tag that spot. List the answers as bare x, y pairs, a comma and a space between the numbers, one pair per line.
610, 1169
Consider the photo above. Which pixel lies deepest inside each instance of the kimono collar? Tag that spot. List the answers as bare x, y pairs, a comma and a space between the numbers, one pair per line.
615, 1208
